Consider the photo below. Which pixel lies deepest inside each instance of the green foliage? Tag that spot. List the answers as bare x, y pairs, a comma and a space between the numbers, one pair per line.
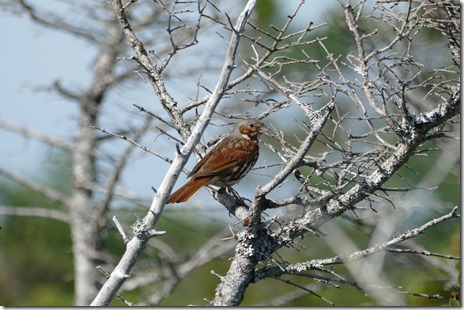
36, 258
35, 262
266, 13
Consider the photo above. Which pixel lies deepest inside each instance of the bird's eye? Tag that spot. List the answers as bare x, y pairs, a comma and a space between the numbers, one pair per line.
251, 125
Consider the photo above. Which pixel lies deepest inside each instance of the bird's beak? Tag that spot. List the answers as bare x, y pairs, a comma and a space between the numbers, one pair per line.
263, 129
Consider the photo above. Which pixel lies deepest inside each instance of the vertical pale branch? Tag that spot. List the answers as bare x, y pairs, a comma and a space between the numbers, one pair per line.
145, 229
84, 211
254, 243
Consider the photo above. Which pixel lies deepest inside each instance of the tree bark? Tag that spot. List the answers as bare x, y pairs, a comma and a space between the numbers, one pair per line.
85, 211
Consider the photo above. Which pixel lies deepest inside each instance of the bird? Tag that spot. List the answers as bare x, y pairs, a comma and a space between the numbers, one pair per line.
227, 163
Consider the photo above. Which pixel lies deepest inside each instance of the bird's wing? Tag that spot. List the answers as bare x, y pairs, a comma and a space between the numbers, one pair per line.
223, 157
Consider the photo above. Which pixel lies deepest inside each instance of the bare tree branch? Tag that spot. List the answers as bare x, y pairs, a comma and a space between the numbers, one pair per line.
47, 19
48, 192
27, 132
358, 106
35, 211
317, 264
143, 232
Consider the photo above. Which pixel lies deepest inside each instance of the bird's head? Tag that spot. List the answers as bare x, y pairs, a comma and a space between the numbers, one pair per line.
251, 128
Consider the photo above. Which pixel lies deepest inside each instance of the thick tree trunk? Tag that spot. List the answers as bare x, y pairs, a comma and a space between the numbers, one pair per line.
85, 211
84, 225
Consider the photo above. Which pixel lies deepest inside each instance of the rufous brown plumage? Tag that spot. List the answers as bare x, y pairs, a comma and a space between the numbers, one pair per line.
227, 163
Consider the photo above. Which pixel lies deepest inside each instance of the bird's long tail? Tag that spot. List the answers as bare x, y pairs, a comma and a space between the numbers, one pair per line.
186, 191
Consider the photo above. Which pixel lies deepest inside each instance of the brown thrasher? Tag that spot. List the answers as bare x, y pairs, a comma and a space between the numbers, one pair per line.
227, 163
